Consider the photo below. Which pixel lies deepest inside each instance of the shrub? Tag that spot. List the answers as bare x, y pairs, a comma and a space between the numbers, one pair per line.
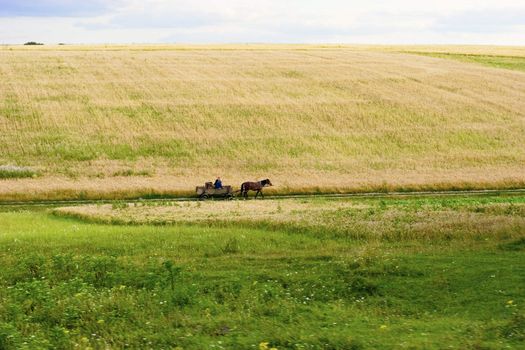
33, 43
232, 246
173, 272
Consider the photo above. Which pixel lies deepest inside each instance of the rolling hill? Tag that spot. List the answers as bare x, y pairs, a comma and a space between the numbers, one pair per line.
121, 121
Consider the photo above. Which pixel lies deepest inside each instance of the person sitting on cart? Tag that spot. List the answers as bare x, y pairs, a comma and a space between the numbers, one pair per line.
218, 184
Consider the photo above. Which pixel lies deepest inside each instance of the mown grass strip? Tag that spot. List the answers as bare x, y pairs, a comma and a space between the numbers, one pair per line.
372, 219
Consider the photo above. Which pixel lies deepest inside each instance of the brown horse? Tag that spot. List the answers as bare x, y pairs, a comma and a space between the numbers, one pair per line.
254, 186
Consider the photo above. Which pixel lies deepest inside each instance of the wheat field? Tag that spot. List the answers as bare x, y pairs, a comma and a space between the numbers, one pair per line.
123, 121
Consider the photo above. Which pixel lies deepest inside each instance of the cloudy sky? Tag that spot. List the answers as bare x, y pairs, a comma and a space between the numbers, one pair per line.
270, 21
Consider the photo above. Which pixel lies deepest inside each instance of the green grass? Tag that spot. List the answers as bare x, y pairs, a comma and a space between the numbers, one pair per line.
384, 219
16, 172
67, 283
506, 62
132, 172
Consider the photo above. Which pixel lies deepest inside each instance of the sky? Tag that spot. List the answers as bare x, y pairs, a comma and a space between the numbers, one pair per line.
499, 22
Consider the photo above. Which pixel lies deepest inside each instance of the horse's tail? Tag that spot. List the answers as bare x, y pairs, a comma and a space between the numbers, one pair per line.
242, 188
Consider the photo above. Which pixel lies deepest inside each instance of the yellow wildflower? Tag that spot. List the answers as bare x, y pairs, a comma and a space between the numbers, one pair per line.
263, 346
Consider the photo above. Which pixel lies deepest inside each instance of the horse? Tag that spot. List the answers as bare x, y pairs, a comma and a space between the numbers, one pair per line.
254, 186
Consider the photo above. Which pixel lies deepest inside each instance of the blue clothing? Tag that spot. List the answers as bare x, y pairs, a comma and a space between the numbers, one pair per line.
218, 184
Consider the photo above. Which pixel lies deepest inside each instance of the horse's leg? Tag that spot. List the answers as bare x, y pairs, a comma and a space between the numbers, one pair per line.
262, 195
258, 191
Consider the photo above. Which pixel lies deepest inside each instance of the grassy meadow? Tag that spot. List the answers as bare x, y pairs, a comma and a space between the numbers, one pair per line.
88, 122
495, 61
368, 219
501, 57
387, 273
132, 121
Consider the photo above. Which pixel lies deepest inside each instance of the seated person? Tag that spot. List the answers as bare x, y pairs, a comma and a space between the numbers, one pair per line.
218, 184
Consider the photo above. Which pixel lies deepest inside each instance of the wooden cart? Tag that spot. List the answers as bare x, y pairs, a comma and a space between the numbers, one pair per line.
209, 191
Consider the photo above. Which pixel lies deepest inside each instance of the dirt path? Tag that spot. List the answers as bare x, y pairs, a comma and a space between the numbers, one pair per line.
29, 204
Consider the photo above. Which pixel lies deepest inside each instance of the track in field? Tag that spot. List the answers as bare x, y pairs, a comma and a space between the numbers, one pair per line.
298, 196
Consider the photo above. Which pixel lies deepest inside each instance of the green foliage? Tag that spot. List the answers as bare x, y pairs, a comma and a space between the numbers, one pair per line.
506, 62
68, 284
232, 246
514, 328
16, 172
131, 172
517, 245
173, 272
119, 205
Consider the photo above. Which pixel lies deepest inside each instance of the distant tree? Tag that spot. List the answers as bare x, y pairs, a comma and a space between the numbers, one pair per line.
33, 43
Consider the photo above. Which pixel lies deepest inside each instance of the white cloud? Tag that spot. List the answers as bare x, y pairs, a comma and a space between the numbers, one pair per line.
379, 21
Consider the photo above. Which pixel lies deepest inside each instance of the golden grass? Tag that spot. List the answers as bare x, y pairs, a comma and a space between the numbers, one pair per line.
311, 118
516, 51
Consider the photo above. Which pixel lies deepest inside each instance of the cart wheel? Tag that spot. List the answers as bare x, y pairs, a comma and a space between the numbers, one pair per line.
230, 197
204, 196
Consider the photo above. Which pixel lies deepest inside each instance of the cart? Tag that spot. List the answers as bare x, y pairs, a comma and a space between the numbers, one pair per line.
209, 191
